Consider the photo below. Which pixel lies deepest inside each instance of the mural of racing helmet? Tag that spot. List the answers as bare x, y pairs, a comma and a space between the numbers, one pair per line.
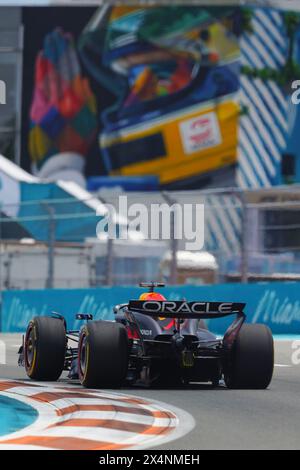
174, 71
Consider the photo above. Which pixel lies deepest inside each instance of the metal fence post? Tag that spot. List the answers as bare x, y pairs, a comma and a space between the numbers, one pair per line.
1, 268
109, 262
51, 246
173, 241
244, 239
108, 277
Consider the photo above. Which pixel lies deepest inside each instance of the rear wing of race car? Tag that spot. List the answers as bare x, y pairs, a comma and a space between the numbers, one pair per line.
182, 309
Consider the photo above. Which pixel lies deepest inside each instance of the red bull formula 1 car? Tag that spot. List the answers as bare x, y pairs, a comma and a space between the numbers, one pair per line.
152, 341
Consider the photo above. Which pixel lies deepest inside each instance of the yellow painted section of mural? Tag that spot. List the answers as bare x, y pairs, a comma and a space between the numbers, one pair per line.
189, 150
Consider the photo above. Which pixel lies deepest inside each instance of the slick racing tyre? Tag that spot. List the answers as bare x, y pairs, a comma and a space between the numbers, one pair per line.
45, 348
103, 354
252, 359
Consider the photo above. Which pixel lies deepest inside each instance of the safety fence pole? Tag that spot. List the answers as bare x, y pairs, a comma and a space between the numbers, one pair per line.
173, 240
244, 238
51, 245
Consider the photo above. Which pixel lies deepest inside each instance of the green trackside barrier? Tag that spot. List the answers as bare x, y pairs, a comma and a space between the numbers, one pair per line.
275, 304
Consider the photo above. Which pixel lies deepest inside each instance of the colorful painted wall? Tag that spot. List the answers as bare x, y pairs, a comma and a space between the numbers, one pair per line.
195, 96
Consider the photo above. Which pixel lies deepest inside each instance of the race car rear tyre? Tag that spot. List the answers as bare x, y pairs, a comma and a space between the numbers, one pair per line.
103, 354
252, 359
45, 348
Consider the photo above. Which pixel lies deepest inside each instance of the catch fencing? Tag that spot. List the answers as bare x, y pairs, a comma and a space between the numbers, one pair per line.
53, 243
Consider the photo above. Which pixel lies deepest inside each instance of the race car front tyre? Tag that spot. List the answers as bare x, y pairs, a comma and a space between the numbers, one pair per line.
251, 362
103, 354
45, 348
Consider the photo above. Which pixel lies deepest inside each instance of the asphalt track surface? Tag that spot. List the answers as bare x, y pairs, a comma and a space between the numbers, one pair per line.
224, 419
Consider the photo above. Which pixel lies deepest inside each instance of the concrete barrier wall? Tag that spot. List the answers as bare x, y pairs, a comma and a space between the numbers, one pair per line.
276, 304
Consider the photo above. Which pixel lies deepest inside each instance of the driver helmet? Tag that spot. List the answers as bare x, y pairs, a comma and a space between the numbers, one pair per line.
165, 323
152, 296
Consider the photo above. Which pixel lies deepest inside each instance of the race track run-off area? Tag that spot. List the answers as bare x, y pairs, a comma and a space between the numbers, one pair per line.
71, 418
197, 417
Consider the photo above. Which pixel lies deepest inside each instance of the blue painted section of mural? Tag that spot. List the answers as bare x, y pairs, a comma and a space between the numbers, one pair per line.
276, 304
